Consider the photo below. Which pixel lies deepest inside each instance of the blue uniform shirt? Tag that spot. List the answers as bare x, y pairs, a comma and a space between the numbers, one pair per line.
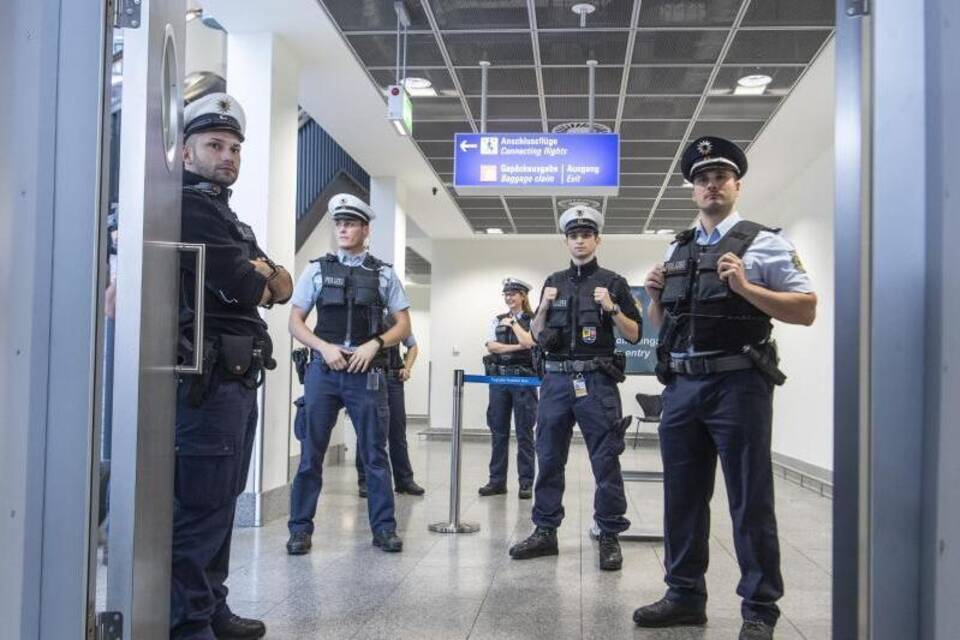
492, 336
307, 289
770, 261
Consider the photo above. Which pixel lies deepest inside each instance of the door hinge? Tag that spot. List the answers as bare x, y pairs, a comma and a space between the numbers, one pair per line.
856, 8
127, 14
109, 625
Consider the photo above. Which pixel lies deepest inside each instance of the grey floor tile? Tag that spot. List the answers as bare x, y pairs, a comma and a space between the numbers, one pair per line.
466, 586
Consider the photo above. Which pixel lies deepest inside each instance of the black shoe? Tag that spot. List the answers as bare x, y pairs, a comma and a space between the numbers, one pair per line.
668, 613
755, 630
611, 559
542, 542
233, 627
362, 490
526, 492
492, 490
388, 541
299, 543
410, 488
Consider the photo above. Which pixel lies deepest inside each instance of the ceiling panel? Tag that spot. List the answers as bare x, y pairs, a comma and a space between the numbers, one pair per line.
380, 50
770, 13
689, 13
374, 15
498, 48
678, 46
576, 47
759, 47
500, 81
677, 85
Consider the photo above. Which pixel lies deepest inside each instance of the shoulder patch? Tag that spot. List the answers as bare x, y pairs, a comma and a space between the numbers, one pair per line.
797, 263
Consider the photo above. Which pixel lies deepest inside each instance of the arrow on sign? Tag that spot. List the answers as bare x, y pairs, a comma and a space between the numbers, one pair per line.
464, 145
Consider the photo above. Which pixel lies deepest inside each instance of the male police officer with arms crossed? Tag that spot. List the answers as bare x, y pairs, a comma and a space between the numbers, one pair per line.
351, 290
714, 297
509, 345
217, 412
579, 308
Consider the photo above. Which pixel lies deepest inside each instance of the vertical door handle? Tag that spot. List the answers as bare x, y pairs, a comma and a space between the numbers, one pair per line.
200, 283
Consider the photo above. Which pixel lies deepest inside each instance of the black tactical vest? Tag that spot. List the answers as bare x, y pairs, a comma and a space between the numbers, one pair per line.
505, 335
702, 311
349, 307
584, 330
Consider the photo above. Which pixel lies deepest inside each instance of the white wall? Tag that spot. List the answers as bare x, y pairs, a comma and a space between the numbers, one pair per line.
417, 390
790, 184
466, 295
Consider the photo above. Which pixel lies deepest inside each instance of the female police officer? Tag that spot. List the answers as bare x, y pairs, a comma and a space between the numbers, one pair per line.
352, 291
579, 308
509, 346
714, 297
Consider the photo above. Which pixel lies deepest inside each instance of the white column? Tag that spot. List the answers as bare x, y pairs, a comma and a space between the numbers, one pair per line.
388, 238
263, 75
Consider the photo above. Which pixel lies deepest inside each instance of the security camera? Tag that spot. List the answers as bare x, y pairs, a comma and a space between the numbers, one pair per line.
434, 190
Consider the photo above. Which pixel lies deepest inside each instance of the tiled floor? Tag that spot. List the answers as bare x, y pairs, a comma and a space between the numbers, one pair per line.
465, 586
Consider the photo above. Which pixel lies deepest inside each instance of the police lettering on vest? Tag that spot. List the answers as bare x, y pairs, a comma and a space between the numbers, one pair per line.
349, 308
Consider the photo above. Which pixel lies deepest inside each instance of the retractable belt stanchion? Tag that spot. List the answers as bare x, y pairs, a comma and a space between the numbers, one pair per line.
454, 525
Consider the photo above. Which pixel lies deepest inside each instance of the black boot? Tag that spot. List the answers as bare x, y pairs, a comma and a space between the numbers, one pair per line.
756, 630
410, 488
362, 489
542, 542
492, 490
611, 559
668, 613
388, 540
299, 543
233, 627
526, 491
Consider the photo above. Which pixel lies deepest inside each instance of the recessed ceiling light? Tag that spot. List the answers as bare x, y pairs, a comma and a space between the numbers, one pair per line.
494, 230
665, 232
687, 184
583, 8
752, 85
193, 14
419, 87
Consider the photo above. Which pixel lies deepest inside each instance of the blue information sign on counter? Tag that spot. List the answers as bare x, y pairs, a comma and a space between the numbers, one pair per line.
536, 164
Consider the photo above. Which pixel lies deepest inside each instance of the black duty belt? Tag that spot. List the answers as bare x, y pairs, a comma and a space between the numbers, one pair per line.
698, 366
575, 366
512, 370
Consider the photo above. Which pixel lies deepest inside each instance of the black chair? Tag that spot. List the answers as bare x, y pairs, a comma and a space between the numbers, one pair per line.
652, 407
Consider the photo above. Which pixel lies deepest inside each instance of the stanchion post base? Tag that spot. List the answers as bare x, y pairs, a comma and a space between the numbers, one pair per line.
450, 527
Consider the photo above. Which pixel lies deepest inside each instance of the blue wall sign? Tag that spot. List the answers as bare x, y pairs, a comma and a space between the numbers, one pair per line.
536, 164
641, 357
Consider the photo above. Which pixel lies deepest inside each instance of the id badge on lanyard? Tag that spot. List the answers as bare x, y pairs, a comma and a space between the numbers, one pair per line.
580, 386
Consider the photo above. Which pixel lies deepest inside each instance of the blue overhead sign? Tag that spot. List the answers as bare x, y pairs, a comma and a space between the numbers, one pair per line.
537, 164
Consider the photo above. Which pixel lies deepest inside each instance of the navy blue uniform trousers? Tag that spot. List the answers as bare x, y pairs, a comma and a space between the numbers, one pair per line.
325, 393
522, 402
726, 414
598, 414
214, 443
396, 438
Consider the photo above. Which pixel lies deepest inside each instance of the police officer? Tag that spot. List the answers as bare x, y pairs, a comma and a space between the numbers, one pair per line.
397, 372
713, 298
579, 308
510, 345
217, 412
352, 291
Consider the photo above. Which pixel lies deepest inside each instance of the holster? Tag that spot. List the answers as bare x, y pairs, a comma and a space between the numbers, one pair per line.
539, 358
621, 429
300, 358
766, 360
614, 367
489, 365
662, 368
202, 385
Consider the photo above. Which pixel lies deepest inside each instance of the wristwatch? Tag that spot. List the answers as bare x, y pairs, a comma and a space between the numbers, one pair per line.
379, 341
615, 311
